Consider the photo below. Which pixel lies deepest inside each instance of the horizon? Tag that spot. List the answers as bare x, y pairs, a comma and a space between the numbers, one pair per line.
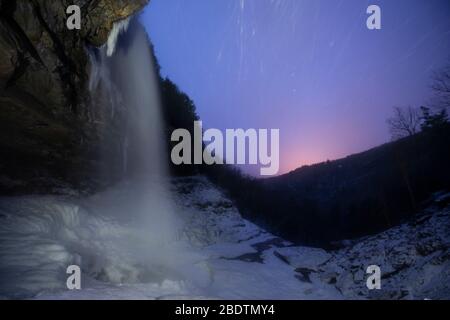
309, 68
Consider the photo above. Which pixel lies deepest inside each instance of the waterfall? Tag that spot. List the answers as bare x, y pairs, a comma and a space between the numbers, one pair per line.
118, 28
124, 70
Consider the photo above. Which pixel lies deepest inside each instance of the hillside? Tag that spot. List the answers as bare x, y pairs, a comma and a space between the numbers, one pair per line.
362, 194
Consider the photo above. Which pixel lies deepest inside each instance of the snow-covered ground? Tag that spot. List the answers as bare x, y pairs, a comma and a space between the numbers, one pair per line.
215, 253
414, 259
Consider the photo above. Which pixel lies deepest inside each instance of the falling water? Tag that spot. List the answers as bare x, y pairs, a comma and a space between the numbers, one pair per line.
124, 69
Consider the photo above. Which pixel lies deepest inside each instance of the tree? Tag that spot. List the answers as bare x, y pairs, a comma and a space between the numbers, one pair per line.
405, 122
441, 87
433, 121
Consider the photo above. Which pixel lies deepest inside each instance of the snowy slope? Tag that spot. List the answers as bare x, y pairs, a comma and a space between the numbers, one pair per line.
216, 253
414, 259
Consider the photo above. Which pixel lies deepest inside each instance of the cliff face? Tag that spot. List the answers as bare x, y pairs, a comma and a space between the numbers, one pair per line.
49, 129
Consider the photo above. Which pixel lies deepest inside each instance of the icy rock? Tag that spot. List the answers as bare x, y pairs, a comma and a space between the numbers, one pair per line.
429, 246
413, 258
303, 257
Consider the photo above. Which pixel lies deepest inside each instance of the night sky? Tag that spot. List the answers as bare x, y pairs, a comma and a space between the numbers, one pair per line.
308, 67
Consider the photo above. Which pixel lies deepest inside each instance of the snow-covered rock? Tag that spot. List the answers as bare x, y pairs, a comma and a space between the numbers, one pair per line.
215, 253
304, 257
413, 257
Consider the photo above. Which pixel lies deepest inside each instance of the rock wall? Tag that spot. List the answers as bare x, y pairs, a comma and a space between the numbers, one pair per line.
49, 129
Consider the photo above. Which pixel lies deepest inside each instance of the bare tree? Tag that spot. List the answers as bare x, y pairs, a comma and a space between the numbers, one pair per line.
441, 87
405, 122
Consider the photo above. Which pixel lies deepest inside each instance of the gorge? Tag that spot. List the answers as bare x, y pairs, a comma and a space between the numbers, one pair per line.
86, 180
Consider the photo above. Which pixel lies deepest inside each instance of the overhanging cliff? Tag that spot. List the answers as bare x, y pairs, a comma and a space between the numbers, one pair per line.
49, 129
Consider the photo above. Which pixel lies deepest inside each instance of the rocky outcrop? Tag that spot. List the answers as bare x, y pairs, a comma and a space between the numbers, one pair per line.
49, 130
413, 259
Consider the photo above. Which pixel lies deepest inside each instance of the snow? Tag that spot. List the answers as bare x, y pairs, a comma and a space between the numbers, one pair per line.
41, 236
216, 254
413, 257
301, 257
